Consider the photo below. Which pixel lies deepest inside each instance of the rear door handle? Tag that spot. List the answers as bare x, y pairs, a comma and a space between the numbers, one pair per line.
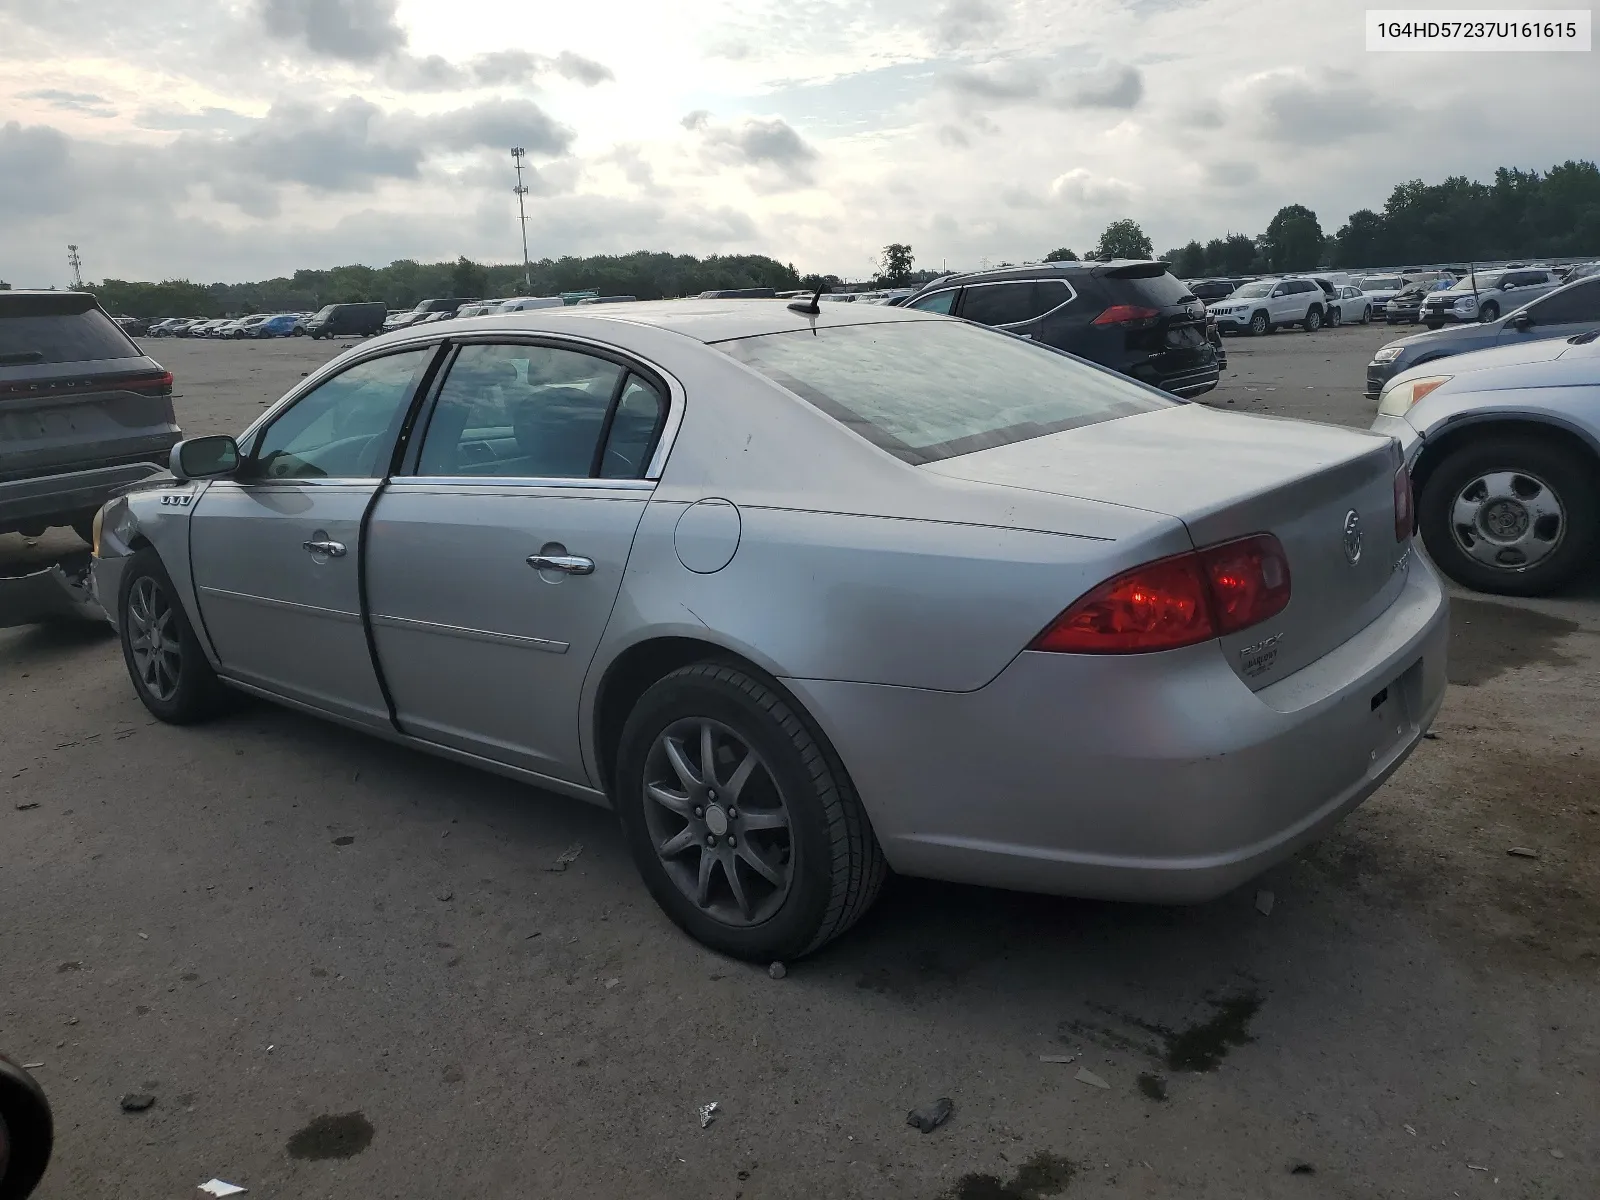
330, 548
569, 564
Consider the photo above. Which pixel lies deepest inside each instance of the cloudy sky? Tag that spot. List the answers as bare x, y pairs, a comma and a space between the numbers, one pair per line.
239, 139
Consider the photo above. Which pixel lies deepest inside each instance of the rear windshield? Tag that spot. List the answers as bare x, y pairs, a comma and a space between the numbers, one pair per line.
62, 338
929, 390
1157, 291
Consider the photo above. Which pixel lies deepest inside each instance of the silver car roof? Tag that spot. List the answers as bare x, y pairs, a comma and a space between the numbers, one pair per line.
703, 320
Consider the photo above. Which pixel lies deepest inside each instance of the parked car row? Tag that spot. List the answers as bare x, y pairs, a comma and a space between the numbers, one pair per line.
256, 325
1500, 423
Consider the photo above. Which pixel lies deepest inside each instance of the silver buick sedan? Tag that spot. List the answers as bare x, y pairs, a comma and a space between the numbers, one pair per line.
806, 593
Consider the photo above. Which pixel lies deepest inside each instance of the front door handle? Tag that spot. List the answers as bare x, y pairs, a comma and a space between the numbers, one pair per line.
568, 564
323, 546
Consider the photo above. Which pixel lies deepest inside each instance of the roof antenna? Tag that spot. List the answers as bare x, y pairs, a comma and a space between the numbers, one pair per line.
812, 306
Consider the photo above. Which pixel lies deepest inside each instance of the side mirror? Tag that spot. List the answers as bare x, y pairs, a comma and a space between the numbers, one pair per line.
27, 1134
1507, 286
204, 457
1522, 320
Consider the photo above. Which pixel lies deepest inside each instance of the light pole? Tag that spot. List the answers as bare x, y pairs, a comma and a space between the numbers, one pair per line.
517, 153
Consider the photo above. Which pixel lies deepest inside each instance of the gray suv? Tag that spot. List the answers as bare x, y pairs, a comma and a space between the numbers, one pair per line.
1486, 295
1574, 308
82, 411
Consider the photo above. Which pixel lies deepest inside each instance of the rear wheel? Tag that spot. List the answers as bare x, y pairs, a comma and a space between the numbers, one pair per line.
1366, 315
740, 818
1259, 324
168, 668
1313, 321
1516, 517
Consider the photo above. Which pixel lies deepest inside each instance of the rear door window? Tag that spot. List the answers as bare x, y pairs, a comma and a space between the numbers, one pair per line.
936, 302
929, 390
1012, 303
61, 338
1577, 304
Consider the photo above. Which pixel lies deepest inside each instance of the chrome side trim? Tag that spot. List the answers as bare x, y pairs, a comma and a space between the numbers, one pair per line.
477, 483
289, 605
477, 635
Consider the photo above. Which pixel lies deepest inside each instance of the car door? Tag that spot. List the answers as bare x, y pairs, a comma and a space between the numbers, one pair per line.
275, 551
1281, 303
1567, 311
493, 564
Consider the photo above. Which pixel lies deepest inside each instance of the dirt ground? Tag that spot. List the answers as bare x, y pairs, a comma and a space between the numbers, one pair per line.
346, 970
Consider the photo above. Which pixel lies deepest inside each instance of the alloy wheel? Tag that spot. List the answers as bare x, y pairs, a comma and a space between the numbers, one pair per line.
718, 821
153, 638
1508, 520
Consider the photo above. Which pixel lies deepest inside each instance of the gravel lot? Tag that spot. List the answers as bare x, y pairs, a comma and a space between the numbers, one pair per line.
346, 970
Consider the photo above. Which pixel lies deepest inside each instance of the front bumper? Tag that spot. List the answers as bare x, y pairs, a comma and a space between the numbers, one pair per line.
1379, 374
23, 501
1152, 777
59, 592
1232, 322
1449, 316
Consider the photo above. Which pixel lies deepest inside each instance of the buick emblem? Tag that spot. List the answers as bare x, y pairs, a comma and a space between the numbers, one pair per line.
1352, 537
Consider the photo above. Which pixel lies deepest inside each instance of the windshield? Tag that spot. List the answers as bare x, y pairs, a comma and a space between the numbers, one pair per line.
928, 390
323, 312
1484, 281
1250, 290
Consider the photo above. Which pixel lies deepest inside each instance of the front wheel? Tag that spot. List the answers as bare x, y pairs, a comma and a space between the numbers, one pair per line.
164, 659
1515, 517
1313, 321
741, 818
1258, 324
1489, 312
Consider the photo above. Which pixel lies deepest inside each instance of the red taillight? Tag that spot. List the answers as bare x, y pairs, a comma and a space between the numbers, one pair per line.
1249, 581
1405, 512
1176, 601
1127, 314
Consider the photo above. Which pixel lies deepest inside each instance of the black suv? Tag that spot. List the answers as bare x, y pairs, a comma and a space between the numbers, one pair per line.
82, 411
1131, 316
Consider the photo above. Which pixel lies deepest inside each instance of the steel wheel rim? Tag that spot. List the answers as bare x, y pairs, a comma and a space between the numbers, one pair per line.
718, 822
1508, 520
153, 638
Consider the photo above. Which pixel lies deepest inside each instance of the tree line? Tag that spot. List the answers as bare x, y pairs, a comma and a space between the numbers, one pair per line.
644, 274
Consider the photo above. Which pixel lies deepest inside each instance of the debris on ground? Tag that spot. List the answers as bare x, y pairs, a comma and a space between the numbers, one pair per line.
777, 970
1302, 1169
137, 1101
1476, 1167
1430, 736
216, 1187
1409, 1130
708, 1113
446, 894
1085, 1075
26, 805
1264, 902
1556, 1154
1522, 852
1057, 1058
60, 591
31, 1066
568, 857
611, 983
931, 1116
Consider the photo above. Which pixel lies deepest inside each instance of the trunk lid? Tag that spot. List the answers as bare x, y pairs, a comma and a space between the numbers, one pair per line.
1178, 332
1228, 476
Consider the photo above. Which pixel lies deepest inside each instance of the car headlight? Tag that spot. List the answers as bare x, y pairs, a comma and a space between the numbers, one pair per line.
1465, 302
1388, 354
1396, 401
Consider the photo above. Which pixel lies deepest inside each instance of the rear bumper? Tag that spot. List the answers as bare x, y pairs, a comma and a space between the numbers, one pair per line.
1155, 777
23, 501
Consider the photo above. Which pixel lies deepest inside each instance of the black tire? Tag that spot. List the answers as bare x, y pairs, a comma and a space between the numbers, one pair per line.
1259, 324
1489, 312
1335, 318
197, 694
1313, 321
1366, 315
1434, 324
837, 867
28, 1129
1563, 471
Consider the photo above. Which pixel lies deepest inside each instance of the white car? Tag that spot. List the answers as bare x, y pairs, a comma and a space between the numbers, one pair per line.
1269, 304
1354, 307
526, 303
